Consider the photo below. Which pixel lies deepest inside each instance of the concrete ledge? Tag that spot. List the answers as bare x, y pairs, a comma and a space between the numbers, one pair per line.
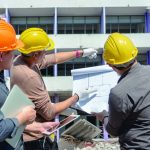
59, 85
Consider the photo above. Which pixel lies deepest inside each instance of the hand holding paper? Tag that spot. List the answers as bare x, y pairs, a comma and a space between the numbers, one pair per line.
84, 94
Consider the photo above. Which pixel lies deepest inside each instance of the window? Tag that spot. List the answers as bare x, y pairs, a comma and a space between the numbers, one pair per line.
65, 68
125, 24
78, 25
142, 58
22, 23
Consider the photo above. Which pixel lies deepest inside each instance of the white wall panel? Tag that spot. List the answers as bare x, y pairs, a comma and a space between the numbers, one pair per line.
71, 3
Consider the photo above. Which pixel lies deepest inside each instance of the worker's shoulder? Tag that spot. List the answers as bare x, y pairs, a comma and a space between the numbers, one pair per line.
22, 70
122, 88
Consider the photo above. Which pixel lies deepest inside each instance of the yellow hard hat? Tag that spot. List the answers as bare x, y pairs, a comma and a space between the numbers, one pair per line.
119, 49
35, 39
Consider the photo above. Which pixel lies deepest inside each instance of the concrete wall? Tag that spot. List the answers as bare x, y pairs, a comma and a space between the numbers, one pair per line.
72, 3
59, 85
74, 41
98, 40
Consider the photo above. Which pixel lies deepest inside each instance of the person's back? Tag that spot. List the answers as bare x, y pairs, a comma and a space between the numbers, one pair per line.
132, 95
129, 101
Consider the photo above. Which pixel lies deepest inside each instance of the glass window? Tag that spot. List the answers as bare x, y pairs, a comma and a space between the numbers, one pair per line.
32, 20
65, 20
46, 20
50, 29
124, 19
18, 20
137, 19
108, 28
69, 28
22, 23
137, 24
16, 28
142, 58
96, 28
44, 27
112, 19
65, 68
133, 28
78, 20
61, 29
78, 25
32, 25
78, 28
114, 28
21, 28
124, 28
112, 24
137, 28
89, 28
48, 71
92, 20
125, 24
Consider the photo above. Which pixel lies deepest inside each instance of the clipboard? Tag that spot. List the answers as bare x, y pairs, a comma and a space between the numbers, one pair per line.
14, 103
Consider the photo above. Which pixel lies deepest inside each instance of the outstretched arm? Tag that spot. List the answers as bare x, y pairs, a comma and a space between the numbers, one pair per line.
62, 57
65, 56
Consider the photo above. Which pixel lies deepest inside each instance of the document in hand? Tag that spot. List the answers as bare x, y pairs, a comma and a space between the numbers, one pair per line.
101, 78
15, 101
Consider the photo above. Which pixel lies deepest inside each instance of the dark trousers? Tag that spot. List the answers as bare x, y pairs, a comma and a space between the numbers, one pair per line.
5, 146
41, 144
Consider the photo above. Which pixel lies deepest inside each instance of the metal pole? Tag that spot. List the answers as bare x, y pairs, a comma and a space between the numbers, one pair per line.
103, 21
56, 97
103, 30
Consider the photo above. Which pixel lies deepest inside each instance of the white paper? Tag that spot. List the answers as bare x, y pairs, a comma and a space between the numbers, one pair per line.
101, 78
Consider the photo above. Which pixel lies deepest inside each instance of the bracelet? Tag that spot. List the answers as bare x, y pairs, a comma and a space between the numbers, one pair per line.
78, 53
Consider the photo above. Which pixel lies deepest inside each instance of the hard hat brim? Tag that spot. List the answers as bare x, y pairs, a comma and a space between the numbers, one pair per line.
51, 46
19, 44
